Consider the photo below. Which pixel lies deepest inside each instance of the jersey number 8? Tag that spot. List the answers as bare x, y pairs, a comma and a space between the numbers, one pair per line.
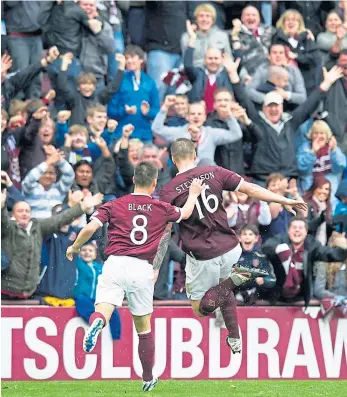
139, 228
206, 200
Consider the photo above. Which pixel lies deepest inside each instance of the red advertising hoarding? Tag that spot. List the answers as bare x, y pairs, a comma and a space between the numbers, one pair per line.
278, 343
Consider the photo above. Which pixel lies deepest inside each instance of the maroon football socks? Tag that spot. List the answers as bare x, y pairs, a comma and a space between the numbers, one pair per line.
222, 296
215, 296
146, 354
229, 313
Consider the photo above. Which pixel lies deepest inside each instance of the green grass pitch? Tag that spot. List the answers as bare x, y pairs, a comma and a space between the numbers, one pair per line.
173, 388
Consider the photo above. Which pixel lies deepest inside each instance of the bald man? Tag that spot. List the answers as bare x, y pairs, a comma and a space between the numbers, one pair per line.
207, 79
22, 239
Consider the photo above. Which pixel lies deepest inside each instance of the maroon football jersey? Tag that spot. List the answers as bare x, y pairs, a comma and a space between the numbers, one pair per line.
206, 234
136, 224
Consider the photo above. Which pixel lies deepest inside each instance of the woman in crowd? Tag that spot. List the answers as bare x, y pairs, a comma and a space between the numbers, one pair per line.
331, 278
301, 47
319, 209
320, 155
334, 38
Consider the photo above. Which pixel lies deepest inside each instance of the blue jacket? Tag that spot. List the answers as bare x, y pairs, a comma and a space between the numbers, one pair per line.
58, 274
126, 95
87, 278
306, 160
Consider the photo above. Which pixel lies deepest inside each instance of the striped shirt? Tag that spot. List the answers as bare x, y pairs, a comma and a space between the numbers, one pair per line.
40, 200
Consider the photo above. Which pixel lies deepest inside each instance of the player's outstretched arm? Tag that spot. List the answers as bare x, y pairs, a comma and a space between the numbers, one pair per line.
258, 192
84, 235
194, 192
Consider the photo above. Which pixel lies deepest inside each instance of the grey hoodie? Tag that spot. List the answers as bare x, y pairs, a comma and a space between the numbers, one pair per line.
210, 137
214, 38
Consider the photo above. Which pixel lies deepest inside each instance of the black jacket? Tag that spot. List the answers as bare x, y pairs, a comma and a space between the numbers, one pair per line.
309, 58
63, 25
17, 83
165, 24
22, 16
313, 251
231, 156
314, 13
275, 151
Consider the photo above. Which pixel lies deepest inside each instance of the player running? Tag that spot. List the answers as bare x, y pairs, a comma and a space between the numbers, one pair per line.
212, 247
137, 222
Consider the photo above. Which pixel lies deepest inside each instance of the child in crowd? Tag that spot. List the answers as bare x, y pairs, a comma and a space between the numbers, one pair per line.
88, 271
252, 257
181, 111
85, 95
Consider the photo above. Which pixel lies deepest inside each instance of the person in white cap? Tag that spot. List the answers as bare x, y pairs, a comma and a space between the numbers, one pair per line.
276, 151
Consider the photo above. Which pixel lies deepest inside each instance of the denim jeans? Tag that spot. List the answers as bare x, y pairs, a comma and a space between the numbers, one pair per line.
136, 26
112, 63
159, 63
26, 51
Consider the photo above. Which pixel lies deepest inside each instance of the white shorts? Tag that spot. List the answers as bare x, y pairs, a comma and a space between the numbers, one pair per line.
125, 275
203, 275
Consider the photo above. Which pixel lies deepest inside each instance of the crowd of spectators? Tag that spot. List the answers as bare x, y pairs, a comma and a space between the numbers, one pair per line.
90, 88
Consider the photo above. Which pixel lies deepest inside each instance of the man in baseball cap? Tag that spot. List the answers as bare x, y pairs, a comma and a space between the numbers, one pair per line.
273, 106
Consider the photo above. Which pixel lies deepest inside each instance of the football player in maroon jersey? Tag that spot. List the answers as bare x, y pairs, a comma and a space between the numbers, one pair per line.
137, 224
212, 247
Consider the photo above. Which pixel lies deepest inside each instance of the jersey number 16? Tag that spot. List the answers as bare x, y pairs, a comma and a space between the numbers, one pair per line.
206, 201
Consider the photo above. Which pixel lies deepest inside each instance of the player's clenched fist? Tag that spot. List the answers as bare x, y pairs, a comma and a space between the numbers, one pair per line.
128, 130
196, 187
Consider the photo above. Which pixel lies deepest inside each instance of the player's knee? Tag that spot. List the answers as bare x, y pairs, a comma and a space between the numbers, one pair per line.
142, 323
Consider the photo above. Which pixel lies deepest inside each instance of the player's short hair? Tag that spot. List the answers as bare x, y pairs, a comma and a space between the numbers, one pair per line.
182, 149
252, 228
145, 173
86, 78
97, 107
